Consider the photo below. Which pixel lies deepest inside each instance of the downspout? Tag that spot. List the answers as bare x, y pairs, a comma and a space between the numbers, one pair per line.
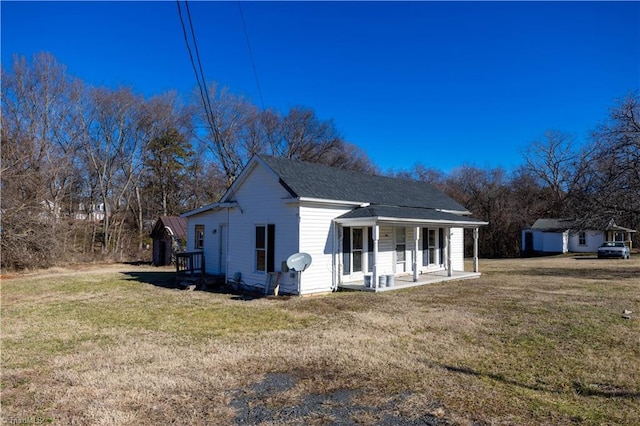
226, 260
416, 236
334, 281
448, 248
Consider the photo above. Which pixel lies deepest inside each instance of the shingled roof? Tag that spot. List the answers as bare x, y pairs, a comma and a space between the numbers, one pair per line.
410, 213
312, 180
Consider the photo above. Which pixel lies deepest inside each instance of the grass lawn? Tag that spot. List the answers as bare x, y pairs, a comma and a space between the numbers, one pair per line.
533, 341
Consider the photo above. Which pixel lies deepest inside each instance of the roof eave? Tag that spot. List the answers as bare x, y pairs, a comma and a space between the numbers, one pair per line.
209, 207
378, 219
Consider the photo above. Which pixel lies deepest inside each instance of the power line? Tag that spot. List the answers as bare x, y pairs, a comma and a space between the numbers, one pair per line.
202, 85
253, 62
195, 45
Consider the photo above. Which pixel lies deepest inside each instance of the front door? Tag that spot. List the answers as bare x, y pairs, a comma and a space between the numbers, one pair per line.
401, 250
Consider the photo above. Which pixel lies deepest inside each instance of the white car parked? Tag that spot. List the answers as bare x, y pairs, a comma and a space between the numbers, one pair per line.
614, 249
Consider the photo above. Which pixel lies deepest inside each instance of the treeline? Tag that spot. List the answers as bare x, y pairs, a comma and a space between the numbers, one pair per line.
592, 183
87, 170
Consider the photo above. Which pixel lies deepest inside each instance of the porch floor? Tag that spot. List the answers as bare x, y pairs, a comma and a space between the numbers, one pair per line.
406, 281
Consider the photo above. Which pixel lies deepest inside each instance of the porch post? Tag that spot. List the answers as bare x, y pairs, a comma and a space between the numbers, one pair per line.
375, 233
416, 236
475, 249
447, 240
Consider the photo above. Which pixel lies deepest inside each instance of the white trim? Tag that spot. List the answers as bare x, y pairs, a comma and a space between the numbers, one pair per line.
336, 202
212, 206
460, 212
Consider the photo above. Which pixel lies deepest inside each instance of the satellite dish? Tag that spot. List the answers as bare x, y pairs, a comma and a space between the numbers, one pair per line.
299, 262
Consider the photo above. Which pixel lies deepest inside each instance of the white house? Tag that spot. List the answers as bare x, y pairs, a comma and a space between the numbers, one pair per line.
356, 227
565, 236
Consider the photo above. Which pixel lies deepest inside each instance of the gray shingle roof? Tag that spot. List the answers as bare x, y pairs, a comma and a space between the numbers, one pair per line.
407, 213
552, 224
319, 181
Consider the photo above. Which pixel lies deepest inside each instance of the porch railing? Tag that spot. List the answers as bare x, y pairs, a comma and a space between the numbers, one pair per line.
190, 264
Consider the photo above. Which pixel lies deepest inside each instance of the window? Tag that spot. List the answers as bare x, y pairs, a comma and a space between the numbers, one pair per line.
265, 248
432, 246
199, 237
357, 250
582, 238
401, 245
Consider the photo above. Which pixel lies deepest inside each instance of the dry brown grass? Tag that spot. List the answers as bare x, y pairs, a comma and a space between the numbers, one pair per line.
533, 341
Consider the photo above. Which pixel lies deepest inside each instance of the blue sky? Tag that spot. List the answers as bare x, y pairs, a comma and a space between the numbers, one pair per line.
441, 83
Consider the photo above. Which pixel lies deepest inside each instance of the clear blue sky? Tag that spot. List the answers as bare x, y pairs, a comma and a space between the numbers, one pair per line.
442, 83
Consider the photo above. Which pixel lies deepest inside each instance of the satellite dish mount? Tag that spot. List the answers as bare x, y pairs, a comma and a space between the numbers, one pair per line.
298, 263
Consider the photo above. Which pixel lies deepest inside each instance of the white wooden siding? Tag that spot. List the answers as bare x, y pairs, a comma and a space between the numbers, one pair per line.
318, 238
211, 221
457, 249
261, 200
594, 240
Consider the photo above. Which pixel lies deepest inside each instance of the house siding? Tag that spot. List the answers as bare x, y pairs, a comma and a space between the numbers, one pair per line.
594, 239
457, 249
211, 220
318, 238
261, 200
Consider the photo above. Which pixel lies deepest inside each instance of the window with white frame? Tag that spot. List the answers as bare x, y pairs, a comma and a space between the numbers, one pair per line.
582, 238
357, 250
429, 246
264, 248
199, 237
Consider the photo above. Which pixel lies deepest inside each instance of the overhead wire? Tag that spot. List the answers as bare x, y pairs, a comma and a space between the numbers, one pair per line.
253, 62
202, 84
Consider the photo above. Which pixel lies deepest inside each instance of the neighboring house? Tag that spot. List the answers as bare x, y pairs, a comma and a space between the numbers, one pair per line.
50, 211
563, 235
94, 214
168, 234
352, 224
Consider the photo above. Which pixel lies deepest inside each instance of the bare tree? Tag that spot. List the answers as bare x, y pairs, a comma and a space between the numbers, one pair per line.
39, 146
611, 185
558, 165
116, 136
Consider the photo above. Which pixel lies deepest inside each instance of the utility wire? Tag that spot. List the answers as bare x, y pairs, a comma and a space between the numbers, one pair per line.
202, 85
195, 45
253, 62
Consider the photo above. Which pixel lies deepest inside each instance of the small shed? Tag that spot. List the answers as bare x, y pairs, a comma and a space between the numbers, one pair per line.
169, 234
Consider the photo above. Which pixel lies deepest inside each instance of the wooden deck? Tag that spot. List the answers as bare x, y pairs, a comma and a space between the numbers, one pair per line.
406, 281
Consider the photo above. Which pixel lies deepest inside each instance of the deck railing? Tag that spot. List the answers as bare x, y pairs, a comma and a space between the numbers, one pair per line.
190, 264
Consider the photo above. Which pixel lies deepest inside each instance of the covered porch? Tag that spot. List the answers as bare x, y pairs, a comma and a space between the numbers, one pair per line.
407, 281
387, 248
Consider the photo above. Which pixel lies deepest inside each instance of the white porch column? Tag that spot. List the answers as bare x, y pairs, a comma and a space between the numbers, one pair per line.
375, 234
447, 242
416, 237
475, 249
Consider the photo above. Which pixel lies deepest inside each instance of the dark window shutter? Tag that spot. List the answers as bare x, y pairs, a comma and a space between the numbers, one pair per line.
346, 250
271, 248
441, 243
425, 247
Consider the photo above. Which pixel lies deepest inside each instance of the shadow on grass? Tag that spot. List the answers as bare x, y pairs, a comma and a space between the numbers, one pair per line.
164, 279
596, 389
167, 279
